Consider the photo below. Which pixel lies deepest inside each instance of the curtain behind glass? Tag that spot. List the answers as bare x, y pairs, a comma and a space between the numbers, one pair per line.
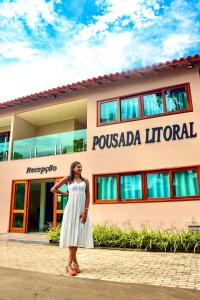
108, 111
185, 183
158, 185
107, 188
153, 104
129, 108
176, 99
131, 187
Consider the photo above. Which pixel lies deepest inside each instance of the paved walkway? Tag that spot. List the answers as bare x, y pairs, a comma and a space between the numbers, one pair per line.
37, 237
161, 269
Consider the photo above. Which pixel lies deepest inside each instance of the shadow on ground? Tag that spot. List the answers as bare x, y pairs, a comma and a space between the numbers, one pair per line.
20, 284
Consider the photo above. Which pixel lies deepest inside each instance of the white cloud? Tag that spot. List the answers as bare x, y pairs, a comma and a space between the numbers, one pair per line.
76, 62
178, 43
33, 11
18, 50
106, 45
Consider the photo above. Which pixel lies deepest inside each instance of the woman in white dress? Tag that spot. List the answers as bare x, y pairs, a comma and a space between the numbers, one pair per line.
76, 229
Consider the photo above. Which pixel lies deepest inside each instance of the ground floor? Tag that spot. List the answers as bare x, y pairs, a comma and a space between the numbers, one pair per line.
34, 208
156, 193
169, 270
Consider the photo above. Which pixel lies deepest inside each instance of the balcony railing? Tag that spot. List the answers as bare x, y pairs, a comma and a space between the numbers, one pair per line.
54, 144
4, 151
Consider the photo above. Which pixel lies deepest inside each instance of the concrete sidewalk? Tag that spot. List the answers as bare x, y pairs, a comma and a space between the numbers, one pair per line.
23, 285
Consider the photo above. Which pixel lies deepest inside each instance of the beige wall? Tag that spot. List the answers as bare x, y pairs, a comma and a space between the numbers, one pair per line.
63, 126
78, 125
23, 129
133, 158
4, 129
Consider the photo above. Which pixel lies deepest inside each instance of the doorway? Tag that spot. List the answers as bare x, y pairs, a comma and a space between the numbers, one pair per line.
34, 207
40, 212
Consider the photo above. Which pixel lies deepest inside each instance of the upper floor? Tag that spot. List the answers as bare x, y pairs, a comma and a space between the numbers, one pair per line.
75, 117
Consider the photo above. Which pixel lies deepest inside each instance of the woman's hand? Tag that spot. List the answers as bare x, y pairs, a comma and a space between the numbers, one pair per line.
83, 216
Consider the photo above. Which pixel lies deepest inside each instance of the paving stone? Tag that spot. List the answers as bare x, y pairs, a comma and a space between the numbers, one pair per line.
166, 269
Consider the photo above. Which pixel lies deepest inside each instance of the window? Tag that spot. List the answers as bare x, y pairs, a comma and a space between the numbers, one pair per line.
129, 108
4, 144
158, 185
148, 186
176, 99
107, 188
108, 111
153, 104
185, 183
4, 137
131, 187
169, 100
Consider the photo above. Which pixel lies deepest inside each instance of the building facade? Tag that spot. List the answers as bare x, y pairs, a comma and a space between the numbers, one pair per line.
136, 134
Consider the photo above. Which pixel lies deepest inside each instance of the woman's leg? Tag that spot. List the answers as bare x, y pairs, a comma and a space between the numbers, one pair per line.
75, 262
72, 253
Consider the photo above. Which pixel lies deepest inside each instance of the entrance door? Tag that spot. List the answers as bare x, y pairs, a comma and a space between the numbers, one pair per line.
28, 211
19, 206
40, 212
59, 204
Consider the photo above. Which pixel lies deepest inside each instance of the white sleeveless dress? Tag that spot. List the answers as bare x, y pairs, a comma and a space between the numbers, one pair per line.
73, 232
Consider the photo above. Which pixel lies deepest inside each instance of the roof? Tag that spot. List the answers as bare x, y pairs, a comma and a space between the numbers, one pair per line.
100, 80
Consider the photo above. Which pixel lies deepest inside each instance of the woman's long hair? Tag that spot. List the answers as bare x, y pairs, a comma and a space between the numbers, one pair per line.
71, 175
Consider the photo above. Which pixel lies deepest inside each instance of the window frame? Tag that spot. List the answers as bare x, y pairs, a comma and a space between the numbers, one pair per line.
145, 198
140, 95
99, 115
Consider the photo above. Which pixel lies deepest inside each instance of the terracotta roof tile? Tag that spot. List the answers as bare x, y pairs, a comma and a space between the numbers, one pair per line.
107, 78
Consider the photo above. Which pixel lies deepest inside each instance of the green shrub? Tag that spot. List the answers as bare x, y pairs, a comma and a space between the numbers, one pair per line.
112, 236
53, 233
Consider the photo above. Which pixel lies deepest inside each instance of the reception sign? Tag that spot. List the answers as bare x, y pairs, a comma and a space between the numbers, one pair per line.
41, 170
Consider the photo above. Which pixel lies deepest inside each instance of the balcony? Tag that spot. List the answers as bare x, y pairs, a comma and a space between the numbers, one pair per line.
53, 144
4, 151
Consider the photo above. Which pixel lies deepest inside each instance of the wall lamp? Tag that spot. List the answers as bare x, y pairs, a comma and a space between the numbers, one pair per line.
190, 65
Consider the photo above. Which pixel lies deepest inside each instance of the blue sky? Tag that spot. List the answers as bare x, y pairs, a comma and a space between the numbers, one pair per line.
49, 43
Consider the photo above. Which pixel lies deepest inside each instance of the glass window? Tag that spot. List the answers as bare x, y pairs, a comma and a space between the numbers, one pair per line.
185, 183
3, 138
107, 188
59, 218
19, 196
176, 99
129, 108
153, 104
108, 111
158, 185
18, 219
62, 199
131, 187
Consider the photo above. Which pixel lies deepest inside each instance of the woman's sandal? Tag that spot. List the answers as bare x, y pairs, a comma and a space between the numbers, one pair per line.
69, 270
76, 268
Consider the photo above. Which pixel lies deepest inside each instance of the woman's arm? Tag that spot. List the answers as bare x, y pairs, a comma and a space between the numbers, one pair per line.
87, 201
55, 189
87, 195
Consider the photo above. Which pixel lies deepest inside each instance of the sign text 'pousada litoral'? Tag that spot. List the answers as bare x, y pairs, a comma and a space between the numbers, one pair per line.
152, 135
